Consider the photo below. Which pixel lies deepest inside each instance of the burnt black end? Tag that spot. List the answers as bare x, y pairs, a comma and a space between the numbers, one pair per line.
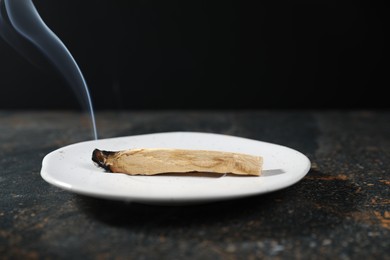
99, 157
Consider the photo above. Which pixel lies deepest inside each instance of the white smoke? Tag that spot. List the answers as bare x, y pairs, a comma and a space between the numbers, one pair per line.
19, 19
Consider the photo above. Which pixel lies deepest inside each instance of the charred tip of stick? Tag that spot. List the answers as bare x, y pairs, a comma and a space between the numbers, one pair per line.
99, 157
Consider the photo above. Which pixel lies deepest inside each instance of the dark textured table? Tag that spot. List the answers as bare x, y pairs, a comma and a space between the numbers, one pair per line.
341, 209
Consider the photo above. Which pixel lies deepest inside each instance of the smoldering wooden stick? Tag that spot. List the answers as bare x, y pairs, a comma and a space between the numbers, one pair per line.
156, 161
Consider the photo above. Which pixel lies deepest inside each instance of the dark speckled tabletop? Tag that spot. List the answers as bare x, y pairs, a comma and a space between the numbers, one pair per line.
340, 210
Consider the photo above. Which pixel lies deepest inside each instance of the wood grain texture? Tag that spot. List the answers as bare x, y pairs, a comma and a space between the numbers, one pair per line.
158, 161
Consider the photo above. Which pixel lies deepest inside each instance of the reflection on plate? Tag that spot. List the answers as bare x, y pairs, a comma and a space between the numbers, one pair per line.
72, 169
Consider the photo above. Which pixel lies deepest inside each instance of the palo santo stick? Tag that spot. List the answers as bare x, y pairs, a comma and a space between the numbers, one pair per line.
156, 161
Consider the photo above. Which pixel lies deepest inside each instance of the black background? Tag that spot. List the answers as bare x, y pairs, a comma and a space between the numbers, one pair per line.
204, 55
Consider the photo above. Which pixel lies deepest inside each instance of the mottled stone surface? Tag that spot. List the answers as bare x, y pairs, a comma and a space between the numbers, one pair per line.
341, 209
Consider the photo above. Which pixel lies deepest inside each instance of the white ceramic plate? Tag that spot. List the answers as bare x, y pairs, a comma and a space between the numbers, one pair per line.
72, 169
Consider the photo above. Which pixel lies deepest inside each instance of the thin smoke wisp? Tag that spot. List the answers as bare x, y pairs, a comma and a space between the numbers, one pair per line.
20, 21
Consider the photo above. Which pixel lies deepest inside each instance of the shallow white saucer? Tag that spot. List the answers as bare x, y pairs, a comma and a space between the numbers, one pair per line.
72, 169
